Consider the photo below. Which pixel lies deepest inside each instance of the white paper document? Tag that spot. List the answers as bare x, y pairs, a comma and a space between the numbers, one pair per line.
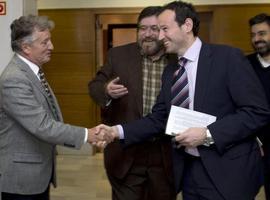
180, 119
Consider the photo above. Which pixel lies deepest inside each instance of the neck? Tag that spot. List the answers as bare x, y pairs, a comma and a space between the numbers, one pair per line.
186, 46
266, 58
157, 55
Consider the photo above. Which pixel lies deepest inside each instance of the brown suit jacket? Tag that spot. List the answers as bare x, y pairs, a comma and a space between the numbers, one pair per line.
124, 62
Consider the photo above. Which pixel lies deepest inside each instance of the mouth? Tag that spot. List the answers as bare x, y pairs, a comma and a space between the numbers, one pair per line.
260, 44
166, 44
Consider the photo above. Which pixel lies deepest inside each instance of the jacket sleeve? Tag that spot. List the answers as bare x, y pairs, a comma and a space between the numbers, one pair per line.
97, 86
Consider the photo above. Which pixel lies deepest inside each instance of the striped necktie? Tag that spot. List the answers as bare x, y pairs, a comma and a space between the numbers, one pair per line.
45, 85
180, 90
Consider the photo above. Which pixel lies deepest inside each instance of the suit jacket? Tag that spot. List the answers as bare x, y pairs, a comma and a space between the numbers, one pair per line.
264, 75
124, 62
29, 131
226, 87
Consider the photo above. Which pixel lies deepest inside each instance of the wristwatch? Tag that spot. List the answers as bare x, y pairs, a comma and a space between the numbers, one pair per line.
208, 140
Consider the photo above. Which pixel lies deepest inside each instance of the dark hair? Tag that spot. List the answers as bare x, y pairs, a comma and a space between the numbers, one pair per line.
23, 28
260, 18
183, 11
148, 12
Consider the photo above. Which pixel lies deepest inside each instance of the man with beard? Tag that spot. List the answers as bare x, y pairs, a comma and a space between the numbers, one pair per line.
126, 88
260, 60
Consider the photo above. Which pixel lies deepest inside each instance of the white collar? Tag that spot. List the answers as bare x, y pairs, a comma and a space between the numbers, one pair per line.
32, 65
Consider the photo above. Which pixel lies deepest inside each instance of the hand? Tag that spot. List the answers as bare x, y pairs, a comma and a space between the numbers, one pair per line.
110, 132
192, 137
115, 90
102, 135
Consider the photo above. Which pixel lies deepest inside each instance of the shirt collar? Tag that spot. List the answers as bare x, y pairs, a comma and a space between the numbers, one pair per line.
263, 62
32, 66
194, 50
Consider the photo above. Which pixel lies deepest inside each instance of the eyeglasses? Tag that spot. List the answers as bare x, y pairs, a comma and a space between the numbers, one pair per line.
144, 28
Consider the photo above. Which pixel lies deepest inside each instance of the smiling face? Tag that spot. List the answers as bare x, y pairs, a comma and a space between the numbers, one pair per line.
260, 38
39, 49
176, 39
148, 32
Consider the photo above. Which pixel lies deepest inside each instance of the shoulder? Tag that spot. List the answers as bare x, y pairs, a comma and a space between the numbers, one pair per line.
252, 57
13, 73
221, 48
131, 47
221, 52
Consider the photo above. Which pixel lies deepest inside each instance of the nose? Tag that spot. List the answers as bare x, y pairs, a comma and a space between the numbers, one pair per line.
50, 45
148, 32
161, 35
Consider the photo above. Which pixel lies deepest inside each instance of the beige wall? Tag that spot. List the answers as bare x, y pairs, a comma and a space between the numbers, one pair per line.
14, 10
49, 4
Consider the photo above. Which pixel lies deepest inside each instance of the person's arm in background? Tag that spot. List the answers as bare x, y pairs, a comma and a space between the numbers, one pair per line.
104, 86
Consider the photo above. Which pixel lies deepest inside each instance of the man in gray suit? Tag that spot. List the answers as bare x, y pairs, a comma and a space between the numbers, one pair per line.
31, 121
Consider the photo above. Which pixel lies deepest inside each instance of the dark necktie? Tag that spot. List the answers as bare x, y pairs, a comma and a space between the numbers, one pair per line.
180, 90
45, 85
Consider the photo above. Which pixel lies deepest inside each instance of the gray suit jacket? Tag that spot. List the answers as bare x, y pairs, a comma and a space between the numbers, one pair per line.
29, 132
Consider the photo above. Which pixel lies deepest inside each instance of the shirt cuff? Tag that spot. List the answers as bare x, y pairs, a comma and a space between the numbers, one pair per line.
121, 132
86, 135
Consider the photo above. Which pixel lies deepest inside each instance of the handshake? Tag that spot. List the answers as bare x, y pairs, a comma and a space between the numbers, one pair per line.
102, 135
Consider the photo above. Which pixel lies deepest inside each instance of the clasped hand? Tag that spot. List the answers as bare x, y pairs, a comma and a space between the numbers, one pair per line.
102, 135
192, 137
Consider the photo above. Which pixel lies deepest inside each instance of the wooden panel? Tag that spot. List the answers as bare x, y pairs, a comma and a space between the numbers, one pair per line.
230, 25
72, 31
106, 19
78, 109
70, 73
205, 26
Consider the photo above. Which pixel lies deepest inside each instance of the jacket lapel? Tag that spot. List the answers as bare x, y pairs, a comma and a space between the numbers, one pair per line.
34, 79
203, 73
135, 76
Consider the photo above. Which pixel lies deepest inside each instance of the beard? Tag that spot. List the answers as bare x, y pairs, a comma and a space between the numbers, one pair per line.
262, 47
150, 46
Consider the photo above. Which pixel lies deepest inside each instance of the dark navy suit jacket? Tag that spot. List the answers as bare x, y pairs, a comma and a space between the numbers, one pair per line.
226, 87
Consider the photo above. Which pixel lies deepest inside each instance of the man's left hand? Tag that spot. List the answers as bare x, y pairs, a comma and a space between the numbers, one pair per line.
192, 137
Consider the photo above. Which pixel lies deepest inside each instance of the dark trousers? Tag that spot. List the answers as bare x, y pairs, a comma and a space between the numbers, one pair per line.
146, 180
197, 184
43, 196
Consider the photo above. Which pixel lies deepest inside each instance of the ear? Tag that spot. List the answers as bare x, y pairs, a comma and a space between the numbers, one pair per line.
188, 25
26, 48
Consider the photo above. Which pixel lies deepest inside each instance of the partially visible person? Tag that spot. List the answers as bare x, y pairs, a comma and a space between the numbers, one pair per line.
221, 161
260, 60
31, 121
126, 88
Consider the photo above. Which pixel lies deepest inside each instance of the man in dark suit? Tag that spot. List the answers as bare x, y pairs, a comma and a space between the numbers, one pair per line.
126, 87
260, 60
221, 161
31, 121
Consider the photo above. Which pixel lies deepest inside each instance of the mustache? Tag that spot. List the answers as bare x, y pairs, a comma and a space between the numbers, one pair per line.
260, 42
150, 39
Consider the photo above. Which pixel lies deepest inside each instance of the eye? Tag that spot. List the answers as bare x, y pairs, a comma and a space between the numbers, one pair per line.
142, 28
155, 28
164, 29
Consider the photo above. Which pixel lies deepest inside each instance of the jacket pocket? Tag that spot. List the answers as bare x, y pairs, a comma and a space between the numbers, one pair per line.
27, 158
240, 150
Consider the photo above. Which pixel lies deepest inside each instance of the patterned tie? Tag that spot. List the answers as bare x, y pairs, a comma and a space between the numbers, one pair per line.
180, 95
179, 90
45, 85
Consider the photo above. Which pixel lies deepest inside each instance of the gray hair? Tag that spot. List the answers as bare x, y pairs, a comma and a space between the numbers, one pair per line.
23, 28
